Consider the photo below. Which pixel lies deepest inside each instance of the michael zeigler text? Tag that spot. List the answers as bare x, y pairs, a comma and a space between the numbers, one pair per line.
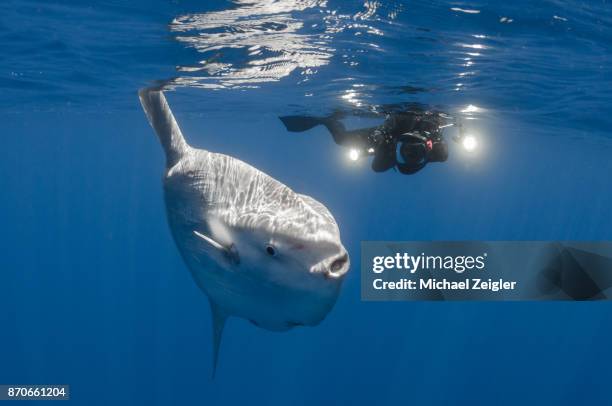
457, 264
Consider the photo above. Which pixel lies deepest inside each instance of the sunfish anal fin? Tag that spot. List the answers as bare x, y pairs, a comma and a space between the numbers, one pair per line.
218, 322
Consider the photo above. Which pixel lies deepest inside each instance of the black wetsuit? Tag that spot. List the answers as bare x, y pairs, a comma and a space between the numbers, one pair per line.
417, 133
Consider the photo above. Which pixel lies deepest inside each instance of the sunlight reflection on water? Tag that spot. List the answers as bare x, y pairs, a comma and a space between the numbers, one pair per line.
267, 37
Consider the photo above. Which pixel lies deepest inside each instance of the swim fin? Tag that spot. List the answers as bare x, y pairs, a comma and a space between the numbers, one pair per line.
298, 124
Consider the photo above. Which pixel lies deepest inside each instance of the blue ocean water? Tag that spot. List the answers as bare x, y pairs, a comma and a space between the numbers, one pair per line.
93, 292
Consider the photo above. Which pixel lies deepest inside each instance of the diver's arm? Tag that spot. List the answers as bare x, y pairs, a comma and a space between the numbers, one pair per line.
384, 157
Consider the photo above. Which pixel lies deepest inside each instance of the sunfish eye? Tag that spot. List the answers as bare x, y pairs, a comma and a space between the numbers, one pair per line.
271, 250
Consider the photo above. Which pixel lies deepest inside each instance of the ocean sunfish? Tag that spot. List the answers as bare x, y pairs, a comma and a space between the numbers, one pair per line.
256, 248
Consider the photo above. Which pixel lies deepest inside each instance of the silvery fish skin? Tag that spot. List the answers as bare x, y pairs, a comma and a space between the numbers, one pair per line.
256, 248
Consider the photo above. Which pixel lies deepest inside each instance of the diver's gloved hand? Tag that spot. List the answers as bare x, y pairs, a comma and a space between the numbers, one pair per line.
384, 158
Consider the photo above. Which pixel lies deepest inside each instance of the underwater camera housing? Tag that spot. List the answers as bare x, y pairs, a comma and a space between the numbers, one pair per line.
415, 149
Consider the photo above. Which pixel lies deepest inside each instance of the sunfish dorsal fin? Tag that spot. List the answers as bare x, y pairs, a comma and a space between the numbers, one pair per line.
218, 322
163, 122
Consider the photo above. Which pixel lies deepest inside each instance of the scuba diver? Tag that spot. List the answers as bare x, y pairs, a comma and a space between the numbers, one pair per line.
407, 140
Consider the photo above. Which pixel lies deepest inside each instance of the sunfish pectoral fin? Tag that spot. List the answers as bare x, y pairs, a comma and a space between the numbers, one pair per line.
229, 251
218, 322
209, 240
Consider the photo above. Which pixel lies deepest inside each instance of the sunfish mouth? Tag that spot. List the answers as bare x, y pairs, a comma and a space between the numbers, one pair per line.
333, 268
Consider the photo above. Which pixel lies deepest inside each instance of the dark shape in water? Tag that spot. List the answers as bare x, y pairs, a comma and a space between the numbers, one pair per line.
408, 89
576, 273
408, 139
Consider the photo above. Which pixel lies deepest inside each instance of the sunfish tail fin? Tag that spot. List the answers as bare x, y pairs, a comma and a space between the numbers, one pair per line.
218, 323
163, 122
298, 124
